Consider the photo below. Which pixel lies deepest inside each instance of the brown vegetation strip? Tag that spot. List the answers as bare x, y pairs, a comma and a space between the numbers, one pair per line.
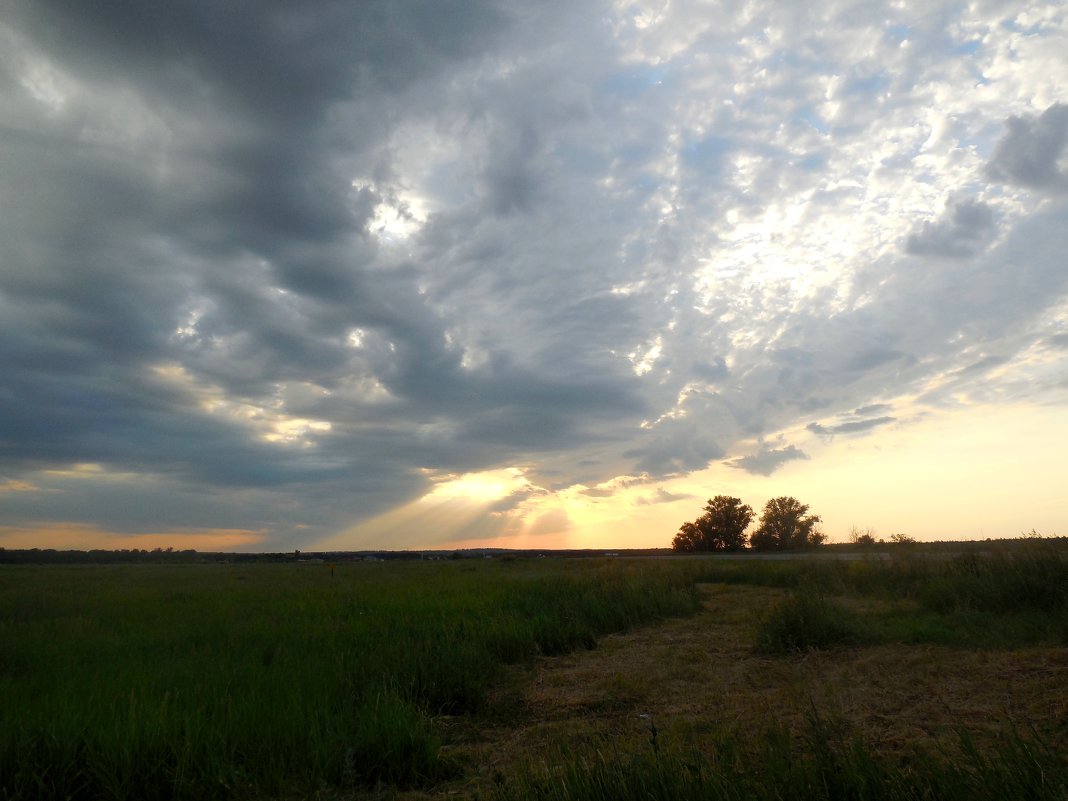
696, 679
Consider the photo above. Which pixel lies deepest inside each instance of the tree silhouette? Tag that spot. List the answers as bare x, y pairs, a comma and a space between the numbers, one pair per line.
721, 528
863, 537
784, 526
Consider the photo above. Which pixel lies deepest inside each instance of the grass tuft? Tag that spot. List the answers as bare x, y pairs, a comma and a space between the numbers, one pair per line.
806, 621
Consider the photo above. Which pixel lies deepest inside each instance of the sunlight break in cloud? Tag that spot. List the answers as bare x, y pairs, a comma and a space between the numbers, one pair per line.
312, 295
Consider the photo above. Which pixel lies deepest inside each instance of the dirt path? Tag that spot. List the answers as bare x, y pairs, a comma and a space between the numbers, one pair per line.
696, 679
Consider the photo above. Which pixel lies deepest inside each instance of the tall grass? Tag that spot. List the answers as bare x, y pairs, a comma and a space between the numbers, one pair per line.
1001, 599
807, 620
213, 681
1036, 580
153, 682
826, 764
1003, 581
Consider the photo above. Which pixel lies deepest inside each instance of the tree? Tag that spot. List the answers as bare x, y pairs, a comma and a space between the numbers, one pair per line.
784, 526
864, 537
902, 539
721, 528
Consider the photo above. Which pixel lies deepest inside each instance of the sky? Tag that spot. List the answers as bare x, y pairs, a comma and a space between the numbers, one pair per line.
365, 274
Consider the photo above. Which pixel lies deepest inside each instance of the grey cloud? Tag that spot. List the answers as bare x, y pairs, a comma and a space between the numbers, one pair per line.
874, 408
767, 461
151, 503
850, 426
512, 501
870, 358
188, 205
235, 248
675, 450
970, 376
713, 371
1030, 152
598, 492
663, 496
981, 366
139, 428
964, 228
618, 484
511, 176
950, 318
268, 56
235, 229
793, 356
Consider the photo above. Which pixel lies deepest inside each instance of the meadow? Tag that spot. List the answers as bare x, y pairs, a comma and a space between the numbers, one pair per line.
144, 682
542, 678
912, 678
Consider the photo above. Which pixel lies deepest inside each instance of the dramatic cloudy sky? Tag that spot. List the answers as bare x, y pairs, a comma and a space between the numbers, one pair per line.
363, 274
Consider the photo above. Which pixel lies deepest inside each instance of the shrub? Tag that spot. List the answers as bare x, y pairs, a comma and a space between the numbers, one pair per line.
806, 621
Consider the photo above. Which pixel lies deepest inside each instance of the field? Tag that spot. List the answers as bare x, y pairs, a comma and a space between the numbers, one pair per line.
539, 678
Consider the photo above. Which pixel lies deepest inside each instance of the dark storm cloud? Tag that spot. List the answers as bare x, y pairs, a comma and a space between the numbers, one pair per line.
271, 57
194, 214
209, 231
1030, 152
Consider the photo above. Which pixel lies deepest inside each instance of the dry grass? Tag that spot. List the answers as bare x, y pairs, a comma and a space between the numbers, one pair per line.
697, 678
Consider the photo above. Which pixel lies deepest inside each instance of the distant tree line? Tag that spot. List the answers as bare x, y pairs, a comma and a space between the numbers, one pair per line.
172, 556
784, 525
865, 538
99, 556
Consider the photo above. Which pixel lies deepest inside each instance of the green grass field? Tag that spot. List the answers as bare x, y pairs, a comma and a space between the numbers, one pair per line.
302, 680
145, 682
